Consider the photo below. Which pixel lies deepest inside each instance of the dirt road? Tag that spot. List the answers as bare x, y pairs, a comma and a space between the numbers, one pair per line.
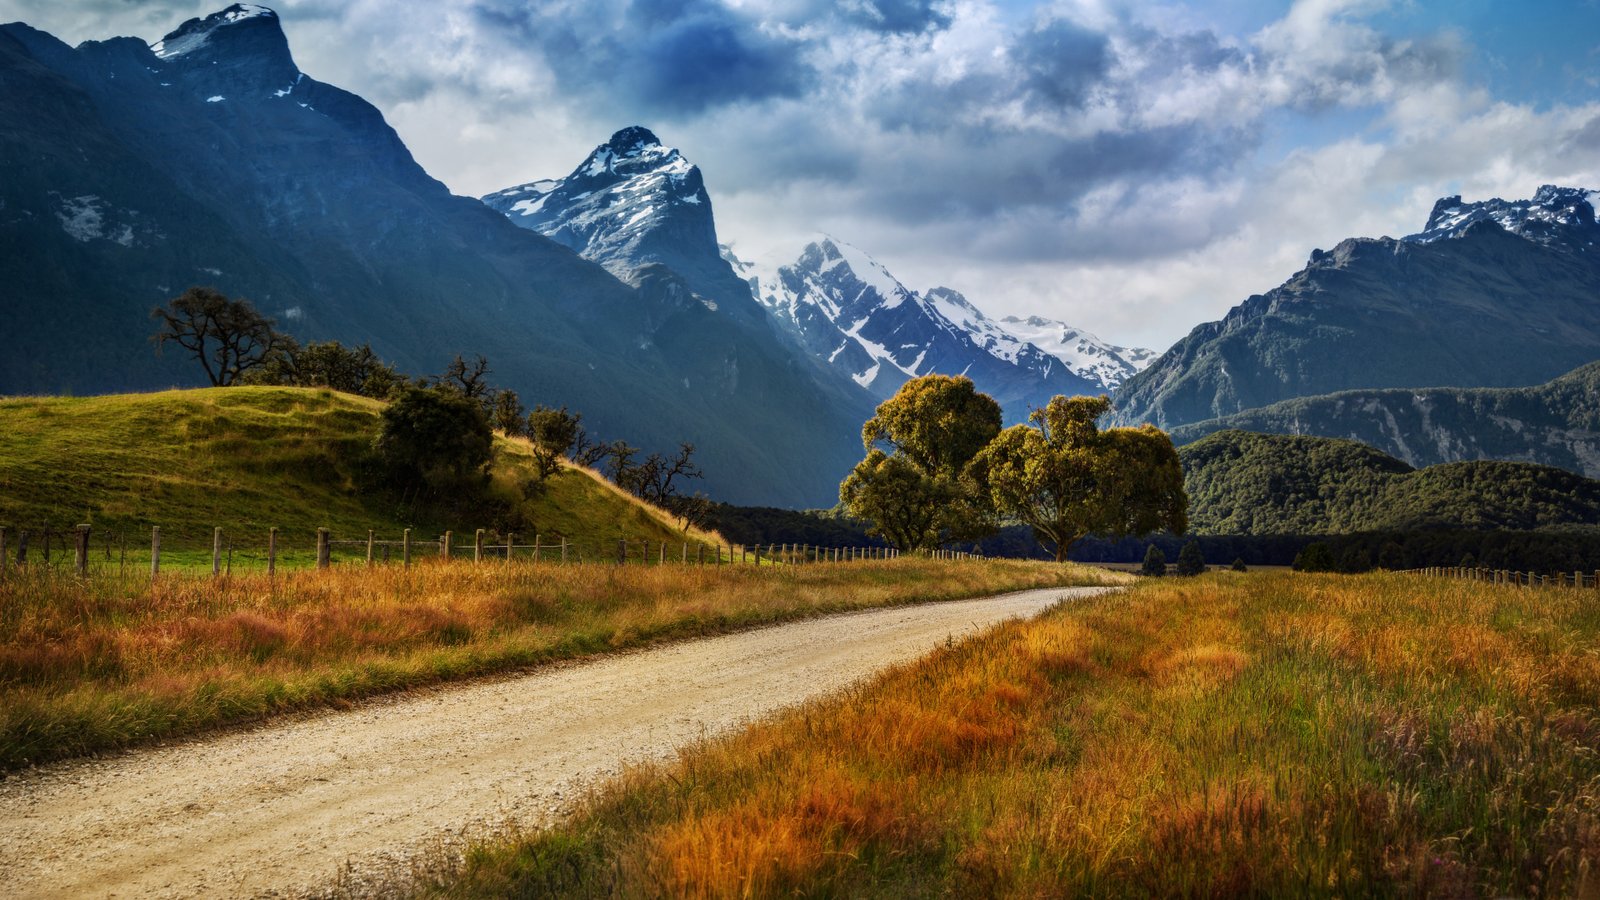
278, 809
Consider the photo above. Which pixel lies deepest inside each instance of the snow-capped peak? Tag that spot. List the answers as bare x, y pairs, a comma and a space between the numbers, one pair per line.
1551, 208
1083, 352
193, 34
631, 201
845, 307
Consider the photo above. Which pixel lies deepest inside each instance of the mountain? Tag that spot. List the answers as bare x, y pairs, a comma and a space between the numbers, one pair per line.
1492, 294
846, 309
133, 171
1555, 424
1244, 483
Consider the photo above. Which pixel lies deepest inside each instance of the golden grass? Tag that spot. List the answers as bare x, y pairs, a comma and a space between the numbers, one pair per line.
1228, 735
110, 662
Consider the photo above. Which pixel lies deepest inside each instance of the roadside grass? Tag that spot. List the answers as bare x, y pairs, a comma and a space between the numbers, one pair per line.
1259, 734
107, 662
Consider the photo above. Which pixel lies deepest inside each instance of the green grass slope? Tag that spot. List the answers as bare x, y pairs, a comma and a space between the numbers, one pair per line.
252, 458
1245, 483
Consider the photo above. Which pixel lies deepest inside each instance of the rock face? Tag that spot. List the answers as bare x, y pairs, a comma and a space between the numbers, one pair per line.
846, 309
133, 171
1492, 294
1555, 424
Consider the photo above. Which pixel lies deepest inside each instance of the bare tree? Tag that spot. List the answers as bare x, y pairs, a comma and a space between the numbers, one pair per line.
471, 379
228, 337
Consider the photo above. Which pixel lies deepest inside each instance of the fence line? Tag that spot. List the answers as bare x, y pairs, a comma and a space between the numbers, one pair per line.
1577, 579
486, 547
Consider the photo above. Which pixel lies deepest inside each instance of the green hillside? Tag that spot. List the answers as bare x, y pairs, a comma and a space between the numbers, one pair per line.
1245, 483
1556, 423
251, 458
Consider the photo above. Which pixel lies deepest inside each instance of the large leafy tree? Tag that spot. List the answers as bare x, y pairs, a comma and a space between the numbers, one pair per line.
1067, 479
228, 337
916, 493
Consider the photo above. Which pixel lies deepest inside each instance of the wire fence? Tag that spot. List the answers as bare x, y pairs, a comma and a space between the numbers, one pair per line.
87, 551
1577, 579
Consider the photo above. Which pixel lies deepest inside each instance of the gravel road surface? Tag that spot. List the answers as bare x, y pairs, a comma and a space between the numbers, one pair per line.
279, 809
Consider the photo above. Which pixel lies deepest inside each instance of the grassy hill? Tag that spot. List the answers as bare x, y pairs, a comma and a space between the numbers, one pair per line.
1245, 483
251, 458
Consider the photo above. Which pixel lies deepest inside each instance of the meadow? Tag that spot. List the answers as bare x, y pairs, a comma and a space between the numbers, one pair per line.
94, 664
1231, 734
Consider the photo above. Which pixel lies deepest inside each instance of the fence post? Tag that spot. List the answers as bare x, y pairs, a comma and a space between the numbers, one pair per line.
563, 549
622, 552
644, 552
511, 541
272, 551
155, 550
477, 545
405, 548
216, 551
700, 554
536, 547
83, 551
448, 535
322, 548
369, 546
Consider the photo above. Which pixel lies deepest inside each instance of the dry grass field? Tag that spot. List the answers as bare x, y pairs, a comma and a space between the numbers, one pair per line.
1257, 734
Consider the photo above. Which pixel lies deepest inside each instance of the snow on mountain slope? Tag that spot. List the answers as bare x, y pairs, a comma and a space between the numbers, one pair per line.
844, 307
1553, 215
1083, 353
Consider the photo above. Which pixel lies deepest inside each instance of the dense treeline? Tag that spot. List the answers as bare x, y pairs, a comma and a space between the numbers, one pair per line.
1244, 483
1529, 551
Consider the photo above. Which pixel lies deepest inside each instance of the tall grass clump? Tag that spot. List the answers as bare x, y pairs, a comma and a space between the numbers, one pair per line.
87, 665
1221, 736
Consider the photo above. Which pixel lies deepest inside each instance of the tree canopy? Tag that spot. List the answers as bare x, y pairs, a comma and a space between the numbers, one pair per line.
1067, 479
918, 493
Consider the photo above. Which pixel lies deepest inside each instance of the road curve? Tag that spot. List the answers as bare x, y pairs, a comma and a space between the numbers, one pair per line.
280, 808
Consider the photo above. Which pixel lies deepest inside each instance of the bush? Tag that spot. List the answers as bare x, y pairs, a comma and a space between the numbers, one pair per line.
434, 439
1190, 560
1316, 557
1155, 562
1391, 556
1239, 566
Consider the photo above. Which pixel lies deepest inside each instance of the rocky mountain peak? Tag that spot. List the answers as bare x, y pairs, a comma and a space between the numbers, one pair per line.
1554, 215
242, 47
632, 141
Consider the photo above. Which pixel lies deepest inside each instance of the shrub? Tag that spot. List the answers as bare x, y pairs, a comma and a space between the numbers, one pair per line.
1190, 560
1239, 566
1155, 562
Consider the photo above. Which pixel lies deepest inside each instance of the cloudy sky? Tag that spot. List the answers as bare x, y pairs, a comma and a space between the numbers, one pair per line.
1133, 168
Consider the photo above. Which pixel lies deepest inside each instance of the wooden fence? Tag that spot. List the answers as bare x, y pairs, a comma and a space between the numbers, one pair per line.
1578, 579
88, 551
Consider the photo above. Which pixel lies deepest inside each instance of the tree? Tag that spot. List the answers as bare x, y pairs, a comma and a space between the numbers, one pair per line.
1239, 566
1066, 479
554, 432
506, 413
919, 493
1155, 562
470, 379
1190, 560
1316, 557
228, 337
433, 438
330, 364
